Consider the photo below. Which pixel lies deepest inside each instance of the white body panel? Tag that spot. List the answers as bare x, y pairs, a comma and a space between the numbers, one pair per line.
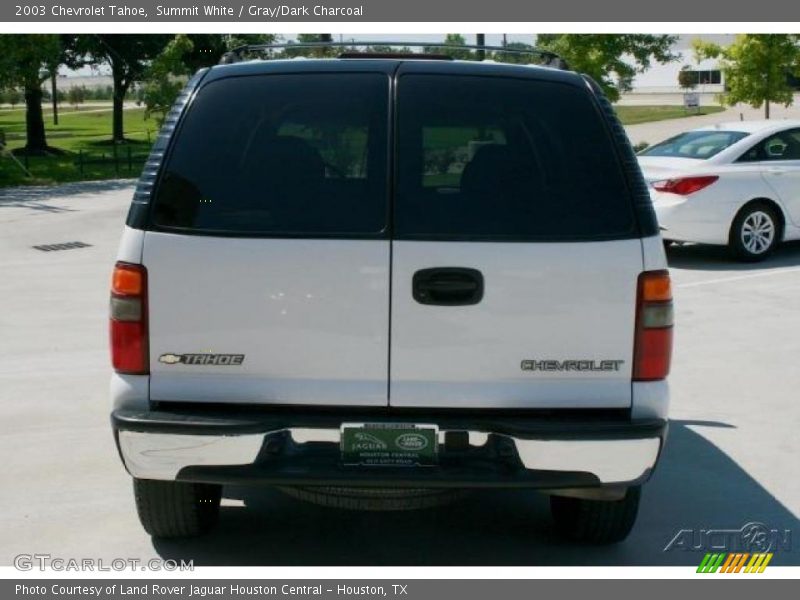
542, 301
784, 177
310, 316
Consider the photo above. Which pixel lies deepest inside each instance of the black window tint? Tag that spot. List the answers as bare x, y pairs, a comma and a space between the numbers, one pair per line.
281, 155
496, 158
781, 146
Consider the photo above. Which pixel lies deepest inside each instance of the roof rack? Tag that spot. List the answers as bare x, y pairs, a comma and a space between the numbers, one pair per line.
547, 58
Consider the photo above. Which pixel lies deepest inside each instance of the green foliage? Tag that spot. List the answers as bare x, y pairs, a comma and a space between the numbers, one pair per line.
24, 58
166, 76
452, 39
686, 79
129, 56
311, 38
76, 95
756, 67
515, 57
11, 96
610, 59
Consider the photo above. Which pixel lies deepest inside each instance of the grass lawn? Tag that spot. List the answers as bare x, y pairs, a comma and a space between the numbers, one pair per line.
86, 133
632, 115
82, 134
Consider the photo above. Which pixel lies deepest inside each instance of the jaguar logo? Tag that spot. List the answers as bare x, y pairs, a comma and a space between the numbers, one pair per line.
367, 441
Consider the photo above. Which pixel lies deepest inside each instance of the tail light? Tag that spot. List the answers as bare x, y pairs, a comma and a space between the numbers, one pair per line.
652, 352
684, 186
128, 323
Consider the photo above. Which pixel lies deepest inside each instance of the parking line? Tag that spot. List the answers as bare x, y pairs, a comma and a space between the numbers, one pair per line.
737, 278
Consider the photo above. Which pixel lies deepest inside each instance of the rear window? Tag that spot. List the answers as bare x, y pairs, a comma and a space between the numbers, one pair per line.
695, 144
281, 155
505, 159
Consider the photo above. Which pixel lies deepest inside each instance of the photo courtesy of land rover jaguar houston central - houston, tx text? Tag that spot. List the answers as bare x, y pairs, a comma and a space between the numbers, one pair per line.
378, 280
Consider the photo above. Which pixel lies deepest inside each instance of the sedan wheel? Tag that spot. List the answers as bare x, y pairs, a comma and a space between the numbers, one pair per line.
754, 233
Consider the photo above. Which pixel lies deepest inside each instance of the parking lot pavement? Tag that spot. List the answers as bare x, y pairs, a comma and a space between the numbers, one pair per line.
731, 457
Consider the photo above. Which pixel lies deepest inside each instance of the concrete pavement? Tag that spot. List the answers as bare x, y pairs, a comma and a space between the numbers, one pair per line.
731, 457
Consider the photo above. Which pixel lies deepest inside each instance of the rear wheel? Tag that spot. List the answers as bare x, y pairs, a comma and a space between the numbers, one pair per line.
754, 233
173, 509
596, 521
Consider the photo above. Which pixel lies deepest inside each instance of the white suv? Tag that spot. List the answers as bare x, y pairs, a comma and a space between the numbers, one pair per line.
391, 278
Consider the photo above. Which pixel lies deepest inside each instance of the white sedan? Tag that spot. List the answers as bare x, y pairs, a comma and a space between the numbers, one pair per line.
736, 184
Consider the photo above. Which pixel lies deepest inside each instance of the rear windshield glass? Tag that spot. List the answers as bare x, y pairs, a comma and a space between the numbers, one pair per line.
281, 154
502, 158
695, 144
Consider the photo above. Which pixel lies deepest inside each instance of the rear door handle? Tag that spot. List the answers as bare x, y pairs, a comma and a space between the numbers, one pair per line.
448, 286
776, 171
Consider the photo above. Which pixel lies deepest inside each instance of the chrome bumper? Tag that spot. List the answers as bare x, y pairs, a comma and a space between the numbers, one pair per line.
543, 462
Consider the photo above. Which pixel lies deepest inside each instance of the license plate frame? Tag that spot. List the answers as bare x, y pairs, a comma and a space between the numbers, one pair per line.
389, 444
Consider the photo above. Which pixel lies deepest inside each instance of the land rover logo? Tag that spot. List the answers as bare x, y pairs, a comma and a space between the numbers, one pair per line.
411, 442
219, 360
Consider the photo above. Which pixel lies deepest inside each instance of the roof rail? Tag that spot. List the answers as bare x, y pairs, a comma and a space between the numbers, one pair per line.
547, 58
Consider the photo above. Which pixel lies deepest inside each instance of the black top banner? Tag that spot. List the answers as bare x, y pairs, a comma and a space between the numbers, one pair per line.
406, 10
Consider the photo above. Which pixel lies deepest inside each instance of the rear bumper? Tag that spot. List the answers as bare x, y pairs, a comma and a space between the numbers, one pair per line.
570, 451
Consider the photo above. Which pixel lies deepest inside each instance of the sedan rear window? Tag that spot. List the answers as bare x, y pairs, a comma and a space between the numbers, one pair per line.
695, 144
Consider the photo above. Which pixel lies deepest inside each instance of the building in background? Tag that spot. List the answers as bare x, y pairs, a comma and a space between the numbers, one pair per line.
663, 79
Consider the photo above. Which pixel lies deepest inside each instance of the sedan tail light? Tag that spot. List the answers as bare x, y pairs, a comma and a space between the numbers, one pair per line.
652, 351
128, 322
683, 186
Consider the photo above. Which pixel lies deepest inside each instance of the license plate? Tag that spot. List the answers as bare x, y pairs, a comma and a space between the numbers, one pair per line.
389, 444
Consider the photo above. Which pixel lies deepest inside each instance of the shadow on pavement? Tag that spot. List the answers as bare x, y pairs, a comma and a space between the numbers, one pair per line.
695, 486
39, 198
700, 257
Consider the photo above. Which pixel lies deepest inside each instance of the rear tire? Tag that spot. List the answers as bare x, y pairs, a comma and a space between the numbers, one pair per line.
374, 499
175, 509
754, 233
596, 521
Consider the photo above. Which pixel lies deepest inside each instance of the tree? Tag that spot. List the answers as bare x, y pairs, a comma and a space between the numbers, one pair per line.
610, 59
166, 76
23, 62
514, 57
129, 56
13, 97
312, 38
452, 39
687, 79
756, 67
76, 95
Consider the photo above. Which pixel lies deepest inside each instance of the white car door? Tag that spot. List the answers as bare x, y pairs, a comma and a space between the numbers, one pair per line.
268, 254
780, 161
515, 257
